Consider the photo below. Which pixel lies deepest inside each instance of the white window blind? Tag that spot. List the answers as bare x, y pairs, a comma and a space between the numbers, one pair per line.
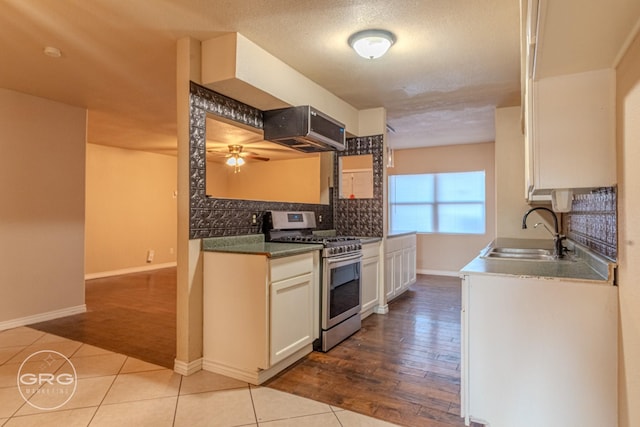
437, 203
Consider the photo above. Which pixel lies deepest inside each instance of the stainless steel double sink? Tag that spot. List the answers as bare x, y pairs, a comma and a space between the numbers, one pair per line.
522, 254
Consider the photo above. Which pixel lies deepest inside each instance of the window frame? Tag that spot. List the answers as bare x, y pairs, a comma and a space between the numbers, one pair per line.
436, 202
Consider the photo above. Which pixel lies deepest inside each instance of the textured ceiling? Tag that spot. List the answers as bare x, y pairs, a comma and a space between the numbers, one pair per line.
452, 64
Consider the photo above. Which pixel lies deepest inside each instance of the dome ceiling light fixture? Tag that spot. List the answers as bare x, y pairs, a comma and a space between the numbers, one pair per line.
372, 44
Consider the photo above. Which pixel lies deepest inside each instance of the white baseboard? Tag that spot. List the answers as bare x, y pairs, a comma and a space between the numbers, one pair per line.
130, 270
381, 309
439, 272
255, 376
187, 368
42, 317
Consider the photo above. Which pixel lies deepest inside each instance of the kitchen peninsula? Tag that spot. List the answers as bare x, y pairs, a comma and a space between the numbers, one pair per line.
261, 305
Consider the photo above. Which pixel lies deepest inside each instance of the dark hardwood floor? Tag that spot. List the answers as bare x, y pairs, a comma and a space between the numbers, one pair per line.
402, 367
133, 314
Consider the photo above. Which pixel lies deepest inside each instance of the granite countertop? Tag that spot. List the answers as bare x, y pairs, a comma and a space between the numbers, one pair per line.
403, 233
368, 239
584, 266
254, 244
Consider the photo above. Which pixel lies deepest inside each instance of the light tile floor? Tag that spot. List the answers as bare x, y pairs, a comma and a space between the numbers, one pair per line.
116, 390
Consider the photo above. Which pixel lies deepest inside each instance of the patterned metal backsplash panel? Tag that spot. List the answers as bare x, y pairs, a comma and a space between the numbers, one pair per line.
361, 217
593, 221
212, 217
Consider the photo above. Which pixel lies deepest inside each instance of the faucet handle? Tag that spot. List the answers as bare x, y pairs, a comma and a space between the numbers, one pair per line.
545, 226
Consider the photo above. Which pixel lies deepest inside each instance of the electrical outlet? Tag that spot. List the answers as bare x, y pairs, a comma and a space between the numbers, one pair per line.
254, 219
320, 219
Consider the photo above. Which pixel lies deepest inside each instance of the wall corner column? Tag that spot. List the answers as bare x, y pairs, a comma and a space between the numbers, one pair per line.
189, 270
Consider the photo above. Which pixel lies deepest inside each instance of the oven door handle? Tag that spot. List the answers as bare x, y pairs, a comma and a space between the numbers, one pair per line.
343, 258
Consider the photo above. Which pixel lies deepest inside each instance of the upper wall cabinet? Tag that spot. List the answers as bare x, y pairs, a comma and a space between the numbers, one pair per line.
569, 55
571, 132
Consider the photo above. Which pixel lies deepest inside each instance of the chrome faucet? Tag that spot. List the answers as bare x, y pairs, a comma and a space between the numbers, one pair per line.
557, 238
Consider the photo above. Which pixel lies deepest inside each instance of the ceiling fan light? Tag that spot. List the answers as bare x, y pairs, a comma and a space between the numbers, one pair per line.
239, 161
231, 161
372, 44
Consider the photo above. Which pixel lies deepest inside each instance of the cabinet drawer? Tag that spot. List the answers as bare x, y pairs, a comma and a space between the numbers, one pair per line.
370, 250
291, 266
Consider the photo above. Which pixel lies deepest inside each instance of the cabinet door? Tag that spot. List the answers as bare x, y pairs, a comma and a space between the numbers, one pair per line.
412, 264
388, 275
398, 272
370, 282
574, 118
406, 268
291, 316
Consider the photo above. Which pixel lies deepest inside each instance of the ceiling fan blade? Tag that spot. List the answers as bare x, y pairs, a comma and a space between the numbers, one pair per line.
218, 153
264, 159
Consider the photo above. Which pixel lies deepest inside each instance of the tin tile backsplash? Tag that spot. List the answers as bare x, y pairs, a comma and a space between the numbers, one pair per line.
593, 221
361, 217
213, 217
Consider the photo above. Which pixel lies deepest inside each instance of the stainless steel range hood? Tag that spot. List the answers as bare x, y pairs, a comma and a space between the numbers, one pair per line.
303, 128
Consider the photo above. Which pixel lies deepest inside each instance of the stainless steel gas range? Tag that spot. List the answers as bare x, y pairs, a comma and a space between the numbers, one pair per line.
340, 278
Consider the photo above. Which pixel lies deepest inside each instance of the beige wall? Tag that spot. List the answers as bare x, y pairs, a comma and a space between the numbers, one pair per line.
239, 68
510, 180
448, 253
294, 180
42, 151
130, 209
628, 151
189, 270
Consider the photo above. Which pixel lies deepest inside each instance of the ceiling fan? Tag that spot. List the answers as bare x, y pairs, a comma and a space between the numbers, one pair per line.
236, 155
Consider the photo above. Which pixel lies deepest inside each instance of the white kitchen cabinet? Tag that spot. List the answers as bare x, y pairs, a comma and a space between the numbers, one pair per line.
389, 272
400, 264
570, 132
370, 278
398, 273
260, 314
291, 316
408, 266
538, 352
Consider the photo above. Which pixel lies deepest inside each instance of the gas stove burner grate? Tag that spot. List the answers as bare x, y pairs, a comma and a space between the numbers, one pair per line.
298, 227
326, 241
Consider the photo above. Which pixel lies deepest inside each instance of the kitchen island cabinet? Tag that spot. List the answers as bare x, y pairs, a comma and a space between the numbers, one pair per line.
261, 314
537, 351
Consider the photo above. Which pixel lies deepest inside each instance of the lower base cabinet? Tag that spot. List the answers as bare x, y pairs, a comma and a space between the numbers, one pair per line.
399, 265
538, 352
370, 278
260, 314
